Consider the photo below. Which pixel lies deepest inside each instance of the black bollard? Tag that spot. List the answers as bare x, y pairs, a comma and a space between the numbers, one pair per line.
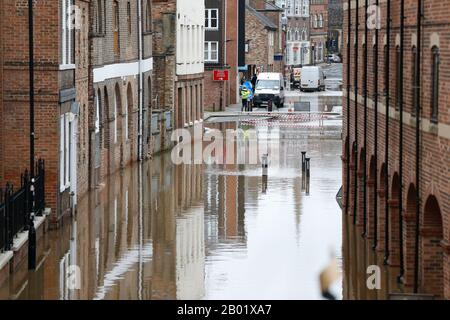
264, 184
265, 165
308, 167
303, 161
32, 247
270, 106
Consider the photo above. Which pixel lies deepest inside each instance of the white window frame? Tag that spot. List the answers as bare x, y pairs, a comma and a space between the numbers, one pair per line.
97, 113
208, 51
64, 152
208, 16
67, 36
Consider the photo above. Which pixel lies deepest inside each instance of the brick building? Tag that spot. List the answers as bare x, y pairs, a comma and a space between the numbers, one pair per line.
216, 91
260, 34
121, 85
335, 21
87, 72
178, 48
298, 46
57, 111
319, 30
397, 138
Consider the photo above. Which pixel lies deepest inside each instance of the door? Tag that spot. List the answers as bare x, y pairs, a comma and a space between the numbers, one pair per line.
73, 129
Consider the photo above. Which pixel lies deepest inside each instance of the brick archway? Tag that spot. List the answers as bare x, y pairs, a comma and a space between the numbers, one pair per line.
353, 172
431, 251
371, 194
409, 235
394, 223
381, 216
361, 185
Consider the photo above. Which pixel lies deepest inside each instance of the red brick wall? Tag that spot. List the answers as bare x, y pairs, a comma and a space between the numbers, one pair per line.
435, 139
14, 157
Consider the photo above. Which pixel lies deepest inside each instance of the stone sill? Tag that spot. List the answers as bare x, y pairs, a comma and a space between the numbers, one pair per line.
5, 258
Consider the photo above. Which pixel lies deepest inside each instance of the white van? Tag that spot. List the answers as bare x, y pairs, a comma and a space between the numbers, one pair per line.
313, 79
269, 86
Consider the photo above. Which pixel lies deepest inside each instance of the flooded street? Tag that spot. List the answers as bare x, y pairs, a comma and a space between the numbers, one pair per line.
160, 231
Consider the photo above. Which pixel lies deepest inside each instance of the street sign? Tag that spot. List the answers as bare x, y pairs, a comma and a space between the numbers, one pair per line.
339, 198
220, 75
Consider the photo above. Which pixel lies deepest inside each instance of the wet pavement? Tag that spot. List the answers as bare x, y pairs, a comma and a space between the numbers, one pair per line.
160, 231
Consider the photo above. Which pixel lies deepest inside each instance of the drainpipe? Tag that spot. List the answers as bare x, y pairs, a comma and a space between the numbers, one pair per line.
401, 97
140, 86
347, 196
366, 34
386, 142
31, 73
418, 119
355, 198
375, 243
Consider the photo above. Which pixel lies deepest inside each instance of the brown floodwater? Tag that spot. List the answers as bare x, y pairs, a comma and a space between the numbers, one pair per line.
160, 231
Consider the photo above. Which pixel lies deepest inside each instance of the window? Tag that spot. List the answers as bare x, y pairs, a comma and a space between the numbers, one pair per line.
212, 18
398, 83
116, 113
148, 16
129, 18
415, 87
67, 33
99, 16
212, 51
315, 21
97, 112
320, 21
116, 22
435, 85
64, 152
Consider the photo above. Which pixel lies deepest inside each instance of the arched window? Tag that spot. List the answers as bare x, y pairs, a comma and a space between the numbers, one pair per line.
321, 21
296, 35
315, 21
148, 16
304, 35
116, 109
415, 87
435, 84
288, 35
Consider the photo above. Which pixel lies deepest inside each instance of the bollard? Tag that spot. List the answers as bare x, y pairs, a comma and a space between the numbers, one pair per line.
270, 106
308, 167
264, 184
265, 164
303, 161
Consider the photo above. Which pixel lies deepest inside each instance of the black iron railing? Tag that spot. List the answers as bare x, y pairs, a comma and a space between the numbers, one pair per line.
16, 206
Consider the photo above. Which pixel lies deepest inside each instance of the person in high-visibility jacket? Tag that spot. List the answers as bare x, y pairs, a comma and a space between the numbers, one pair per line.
245, 95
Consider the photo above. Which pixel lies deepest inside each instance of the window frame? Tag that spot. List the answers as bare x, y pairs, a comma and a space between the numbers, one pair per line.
209, 19
435, 74
67, 36
208, 51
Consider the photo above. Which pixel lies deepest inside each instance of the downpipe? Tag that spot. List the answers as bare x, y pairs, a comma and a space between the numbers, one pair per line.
355, 198
366, 34
377, 36
140, 85
418, 120
347, 193
386, 142
401, 97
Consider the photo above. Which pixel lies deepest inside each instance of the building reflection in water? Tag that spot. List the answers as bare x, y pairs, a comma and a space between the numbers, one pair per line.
159, 231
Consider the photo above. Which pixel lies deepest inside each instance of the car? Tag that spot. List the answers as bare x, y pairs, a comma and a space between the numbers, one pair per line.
334, 58
312, 79
269, 87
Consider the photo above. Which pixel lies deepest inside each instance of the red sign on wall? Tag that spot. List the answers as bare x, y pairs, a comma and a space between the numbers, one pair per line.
220, 75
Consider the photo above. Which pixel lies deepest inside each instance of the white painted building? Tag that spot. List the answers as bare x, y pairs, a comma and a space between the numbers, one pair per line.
298, 42
190, 37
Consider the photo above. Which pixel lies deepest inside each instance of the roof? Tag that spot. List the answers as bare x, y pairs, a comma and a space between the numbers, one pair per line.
262, 18
272, 7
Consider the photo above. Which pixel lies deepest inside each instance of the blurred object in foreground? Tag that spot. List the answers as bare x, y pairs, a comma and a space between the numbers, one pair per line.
327, 277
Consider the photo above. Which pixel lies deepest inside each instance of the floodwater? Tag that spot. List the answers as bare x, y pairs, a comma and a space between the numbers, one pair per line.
161, 231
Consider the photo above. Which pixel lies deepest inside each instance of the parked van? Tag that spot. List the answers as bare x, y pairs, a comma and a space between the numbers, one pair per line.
269, 86
313, 79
